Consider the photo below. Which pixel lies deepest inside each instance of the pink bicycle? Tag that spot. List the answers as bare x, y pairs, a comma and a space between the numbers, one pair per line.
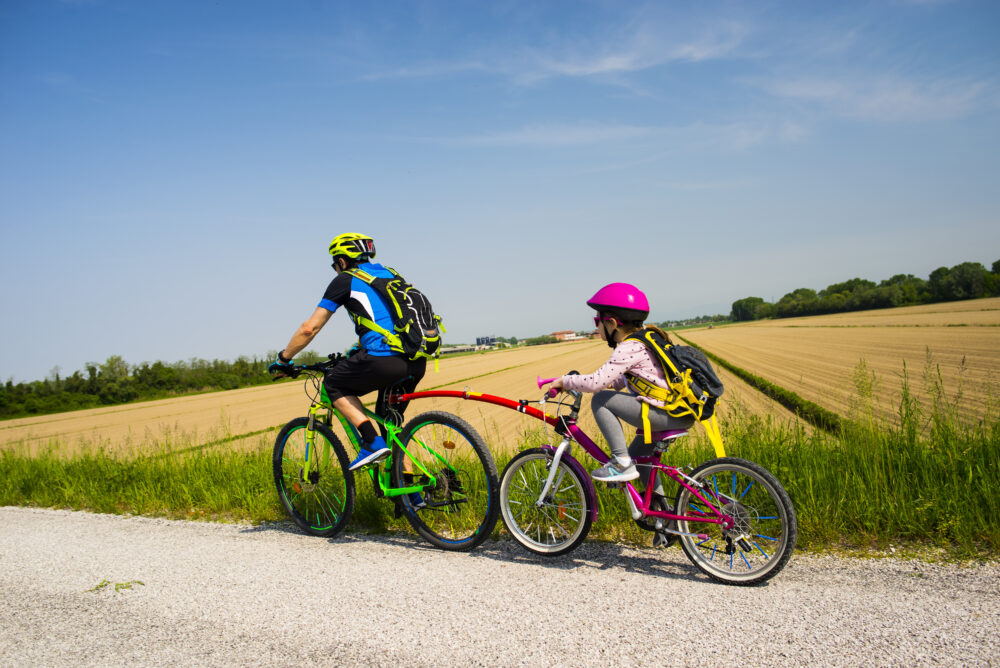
734, 520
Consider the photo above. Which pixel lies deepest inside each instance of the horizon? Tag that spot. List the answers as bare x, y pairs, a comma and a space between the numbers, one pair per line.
172, 172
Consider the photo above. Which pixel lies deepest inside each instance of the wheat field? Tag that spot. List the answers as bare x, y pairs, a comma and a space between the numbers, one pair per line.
250, 417
818, 357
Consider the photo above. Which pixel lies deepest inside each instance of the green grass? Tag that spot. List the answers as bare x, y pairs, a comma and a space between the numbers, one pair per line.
925, 478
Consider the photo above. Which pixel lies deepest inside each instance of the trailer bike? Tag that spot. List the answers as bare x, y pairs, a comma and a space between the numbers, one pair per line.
733, 519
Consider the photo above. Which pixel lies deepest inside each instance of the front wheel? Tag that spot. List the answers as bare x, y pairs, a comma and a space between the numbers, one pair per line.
762, 532
310, 472
552, 525
455, 506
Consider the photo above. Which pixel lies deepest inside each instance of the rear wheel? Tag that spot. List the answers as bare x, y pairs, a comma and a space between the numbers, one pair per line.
763, 529
560, 521
458, 508
313, 482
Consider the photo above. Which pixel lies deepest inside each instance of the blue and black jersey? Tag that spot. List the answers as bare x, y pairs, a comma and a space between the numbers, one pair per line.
360, 300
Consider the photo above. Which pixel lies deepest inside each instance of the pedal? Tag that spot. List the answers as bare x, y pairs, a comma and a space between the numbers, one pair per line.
615, 485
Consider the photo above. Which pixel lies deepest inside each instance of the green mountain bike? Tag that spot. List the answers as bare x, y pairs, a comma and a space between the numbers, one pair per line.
440, 474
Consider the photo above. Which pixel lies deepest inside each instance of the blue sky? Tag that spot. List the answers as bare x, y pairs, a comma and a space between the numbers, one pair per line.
171, 172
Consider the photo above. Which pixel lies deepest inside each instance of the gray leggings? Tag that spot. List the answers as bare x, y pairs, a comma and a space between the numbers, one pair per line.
609, 407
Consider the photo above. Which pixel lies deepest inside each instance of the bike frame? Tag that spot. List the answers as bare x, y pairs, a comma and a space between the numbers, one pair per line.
324, 411
566, 426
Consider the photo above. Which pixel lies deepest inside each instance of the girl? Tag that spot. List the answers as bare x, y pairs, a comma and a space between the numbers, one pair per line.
622, 309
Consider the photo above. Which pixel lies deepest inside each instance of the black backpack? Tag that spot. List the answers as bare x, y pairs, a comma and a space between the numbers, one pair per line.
417, 329
694, 385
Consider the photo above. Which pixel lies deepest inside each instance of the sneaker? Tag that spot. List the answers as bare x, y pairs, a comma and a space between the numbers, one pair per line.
416, 500
615, 472
376, 451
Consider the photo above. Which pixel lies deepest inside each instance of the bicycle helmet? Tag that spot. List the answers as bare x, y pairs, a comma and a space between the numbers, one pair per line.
622, 300
353, 246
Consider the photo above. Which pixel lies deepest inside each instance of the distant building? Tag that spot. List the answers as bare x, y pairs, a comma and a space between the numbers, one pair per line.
457, 349
567, 335
486, 340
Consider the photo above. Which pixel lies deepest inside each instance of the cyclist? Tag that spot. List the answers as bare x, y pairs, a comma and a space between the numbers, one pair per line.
371, 364
622, 309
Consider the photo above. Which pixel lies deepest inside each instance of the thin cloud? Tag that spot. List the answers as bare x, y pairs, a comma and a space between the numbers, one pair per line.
887, 98
639, 46
697, 136
558, 135
430, 70
641, 49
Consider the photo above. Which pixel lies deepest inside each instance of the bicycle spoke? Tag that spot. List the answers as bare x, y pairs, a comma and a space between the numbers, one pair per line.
460, 504
749, 504
321, 503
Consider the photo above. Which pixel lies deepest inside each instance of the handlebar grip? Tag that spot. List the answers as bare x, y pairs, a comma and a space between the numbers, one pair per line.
552, 393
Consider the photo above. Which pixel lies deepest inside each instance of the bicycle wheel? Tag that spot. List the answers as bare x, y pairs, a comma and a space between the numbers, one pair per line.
563, 518
459, 510
763, 535
320, 496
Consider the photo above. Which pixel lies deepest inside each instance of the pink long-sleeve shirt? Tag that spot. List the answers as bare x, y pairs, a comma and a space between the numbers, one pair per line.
629, 356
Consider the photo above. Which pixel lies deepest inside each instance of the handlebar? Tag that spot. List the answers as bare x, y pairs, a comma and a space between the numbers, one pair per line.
321, 367
542, 382
553, 391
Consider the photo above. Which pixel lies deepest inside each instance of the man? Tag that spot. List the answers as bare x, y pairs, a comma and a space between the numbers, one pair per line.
372, 365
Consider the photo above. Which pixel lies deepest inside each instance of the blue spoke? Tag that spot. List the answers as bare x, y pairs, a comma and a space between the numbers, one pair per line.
743, 556
760, 535
766, 555
768, 517
747, 489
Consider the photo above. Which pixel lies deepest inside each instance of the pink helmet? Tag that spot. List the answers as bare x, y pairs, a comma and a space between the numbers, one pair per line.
621, 299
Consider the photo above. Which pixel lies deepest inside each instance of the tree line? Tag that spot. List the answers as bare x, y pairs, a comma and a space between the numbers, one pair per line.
968, 280
117, 382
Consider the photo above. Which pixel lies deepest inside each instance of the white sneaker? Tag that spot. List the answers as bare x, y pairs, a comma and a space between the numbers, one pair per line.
615, 472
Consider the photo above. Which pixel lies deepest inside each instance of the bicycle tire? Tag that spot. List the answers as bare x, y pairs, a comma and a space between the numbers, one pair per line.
321, 505
562, 522
763, 538
462, 506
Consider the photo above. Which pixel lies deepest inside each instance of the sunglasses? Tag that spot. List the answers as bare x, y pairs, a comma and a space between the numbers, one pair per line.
598, 320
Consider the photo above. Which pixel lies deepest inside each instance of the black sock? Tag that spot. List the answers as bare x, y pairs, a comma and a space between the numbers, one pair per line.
367, 431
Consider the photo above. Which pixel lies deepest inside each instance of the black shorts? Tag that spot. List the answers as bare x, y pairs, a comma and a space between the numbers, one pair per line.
362, 373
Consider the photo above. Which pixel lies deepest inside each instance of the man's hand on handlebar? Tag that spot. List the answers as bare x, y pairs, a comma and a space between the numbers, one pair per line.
281, 368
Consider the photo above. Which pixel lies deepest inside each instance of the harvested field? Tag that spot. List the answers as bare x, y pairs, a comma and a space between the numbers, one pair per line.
818, 357
250, 417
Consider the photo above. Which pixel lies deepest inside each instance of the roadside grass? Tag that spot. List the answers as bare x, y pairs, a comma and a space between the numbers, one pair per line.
925, 479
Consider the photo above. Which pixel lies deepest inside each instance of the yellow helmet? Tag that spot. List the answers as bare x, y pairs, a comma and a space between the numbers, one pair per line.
353, 245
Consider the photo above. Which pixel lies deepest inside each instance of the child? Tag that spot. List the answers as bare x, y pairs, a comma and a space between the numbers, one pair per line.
621, 309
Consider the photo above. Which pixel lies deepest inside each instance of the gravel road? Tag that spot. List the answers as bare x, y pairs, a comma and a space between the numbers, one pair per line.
198, 594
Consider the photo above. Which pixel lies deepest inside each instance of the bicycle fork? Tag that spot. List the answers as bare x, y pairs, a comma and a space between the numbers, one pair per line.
310, 444
555, 476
